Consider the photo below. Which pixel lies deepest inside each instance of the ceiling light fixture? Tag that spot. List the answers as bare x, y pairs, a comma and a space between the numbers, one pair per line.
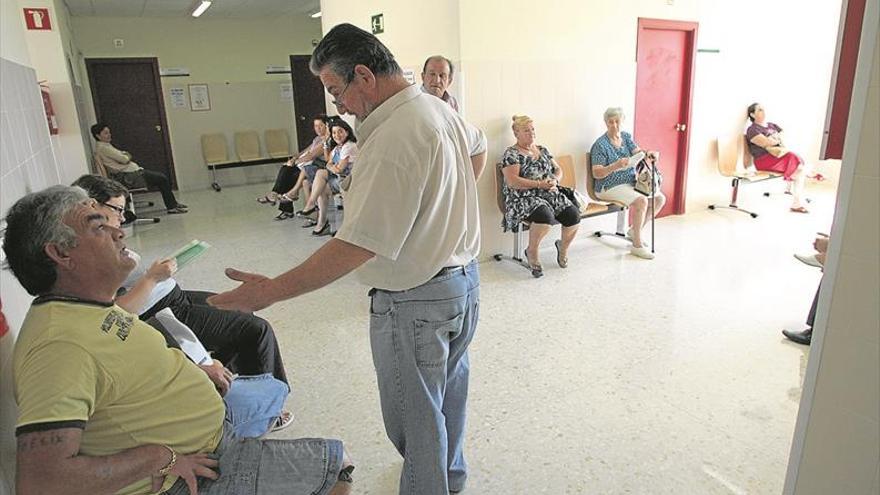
202, 7
316, 15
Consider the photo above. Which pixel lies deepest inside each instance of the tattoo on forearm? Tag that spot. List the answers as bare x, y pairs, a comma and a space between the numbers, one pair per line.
30, 442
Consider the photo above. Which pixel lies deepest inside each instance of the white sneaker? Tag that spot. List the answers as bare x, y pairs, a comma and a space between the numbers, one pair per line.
808, 259
641, 252
629, 235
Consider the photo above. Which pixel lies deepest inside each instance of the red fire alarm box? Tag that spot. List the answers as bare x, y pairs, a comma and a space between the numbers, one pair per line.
50, 112
37, 19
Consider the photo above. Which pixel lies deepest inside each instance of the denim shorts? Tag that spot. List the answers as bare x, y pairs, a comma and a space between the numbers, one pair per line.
249, 466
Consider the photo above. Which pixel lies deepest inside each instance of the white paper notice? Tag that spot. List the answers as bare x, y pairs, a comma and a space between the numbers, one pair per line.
178, 97
286, 89
189, 343
409, 75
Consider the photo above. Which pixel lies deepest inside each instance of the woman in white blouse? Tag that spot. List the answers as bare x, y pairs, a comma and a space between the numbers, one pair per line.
340, 158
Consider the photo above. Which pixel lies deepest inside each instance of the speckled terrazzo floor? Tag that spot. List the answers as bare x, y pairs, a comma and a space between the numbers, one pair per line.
614, 376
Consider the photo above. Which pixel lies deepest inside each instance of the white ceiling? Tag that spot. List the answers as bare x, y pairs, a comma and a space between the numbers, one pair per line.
220, 9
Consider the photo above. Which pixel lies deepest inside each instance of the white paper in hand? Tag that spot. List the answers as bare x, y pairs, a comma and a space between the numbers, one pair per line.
189, 343
635, 159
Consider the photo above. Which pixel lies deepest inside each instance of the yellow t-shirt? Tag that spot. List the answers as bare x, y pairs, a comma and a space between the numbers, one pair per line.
98, 367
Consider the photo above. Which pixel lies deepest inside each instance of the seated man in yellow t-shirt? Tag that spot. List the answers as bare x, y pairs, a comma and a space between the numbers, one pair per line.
104, 405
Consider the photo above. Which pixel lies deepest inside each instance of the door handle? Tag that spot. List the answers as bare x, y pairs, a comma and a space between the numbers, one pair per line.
158, 128
680, 127
302, 117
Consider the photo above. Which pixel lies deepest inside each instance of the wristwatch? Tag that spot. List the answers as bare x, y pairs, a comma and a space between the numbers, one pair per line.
168, 467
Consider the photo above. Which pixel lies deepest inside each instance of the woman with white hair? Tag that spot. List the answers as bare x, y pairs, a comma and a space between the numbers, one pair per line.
615, 179
531, 194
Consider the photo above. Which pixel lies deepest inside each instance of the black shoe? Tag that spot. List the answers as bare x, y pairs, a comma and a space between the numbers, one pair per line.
181, 205
305, 213
799, 337
323, 230
176, 211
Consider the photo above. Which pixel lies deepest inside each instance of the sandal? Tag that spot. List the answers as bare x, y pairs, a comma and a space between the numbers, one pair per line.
537, 270
309, 223
799, 209
288, 199
282, 421
560, 260
283, 216
266, 200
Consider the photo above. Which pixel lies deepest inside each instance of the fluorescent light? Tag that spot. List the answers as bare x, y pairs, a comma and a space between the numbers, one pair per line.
201, 8
316, 15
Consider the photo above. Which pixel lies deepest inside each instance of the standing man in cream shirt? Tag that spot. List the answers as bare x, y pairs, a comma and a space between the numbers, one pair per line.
412, 227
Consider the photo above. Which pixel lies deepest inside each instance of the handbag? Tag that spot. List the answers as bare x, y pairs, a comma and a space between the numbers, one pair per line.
776, 151
570, 194
648, 178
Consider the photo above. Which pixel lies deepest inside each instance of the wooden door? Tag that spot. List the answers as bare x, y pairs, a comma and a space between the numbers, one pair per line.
850, 32
127, 95
664, 82
308, 98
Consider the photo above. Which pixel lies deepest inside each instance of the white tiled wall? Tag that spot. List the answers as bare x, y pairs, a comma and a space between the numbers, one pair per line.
27, 162
841, 447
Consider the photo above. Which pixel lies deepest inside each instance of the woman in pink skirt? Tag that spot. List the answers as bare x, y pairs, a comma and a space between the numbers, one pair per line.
765, 142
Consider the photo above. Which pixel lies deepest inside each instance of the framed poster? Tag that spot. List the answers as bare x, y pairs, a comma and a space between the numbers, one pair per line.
199, 100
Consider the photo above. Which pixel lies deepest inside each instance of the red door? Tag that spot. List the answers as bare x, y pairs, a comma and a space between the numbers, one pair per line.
664, 77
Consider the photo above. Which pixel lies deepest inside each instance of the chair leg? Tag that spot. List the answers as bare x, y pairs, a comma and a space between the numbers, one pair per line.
620, 231
734, 194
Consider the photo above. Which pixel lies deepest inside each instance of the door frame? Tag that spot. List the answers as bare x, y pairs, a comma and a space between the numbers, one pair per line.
690, 30
163, 120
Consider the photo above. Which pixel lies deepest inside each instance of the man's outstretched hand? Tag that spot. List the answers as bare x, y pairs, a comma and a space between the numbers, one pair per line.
250, 296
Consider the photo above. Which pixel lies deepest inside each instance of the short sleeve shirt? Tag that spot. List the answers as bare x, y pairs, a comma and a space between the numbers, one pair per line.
604, 153
754, 130
413, 196
95, 366
348, 150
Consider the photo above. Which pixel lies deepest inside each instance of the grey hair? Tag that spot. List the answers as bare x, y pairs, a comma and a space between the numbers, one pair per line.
613, 112
437, 58
346, 46
33, 222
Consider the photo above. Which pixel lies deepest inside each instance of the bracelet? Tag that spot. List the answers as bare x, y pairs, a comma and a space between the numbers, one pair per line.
168, 467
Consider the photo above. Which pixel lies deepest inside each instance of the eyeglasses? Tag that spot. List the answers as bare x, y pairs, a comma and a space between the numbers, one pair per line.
335, 100
118, 209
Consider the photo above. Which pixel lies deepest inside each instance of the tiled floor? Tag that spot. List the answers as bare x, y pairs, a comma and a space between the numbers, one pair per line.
614, 376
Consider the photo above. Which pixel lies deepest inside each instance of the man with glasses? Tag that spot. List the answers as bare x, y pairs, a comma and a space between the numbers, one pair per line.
412, 228
103, 405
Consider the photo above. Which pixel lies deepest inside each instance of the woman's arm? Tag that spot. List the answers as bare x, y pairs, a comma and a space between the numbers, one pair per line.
602, 171
309, 154
338, 167
557, 170
511, 176
764, 141
133, 301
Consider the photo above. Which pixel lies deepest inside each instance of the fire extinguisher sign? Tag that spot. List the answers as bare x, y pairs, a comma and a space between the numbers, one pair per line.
37, 19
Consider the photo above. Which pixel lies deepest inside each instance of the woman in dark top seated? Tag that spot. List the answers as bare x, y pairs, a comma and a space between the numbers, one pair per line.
767, 147
531, 194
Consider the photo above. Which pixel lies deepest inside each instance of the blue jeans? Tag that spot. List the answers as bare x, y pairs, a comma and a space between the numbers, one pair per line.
253, 403
420, 339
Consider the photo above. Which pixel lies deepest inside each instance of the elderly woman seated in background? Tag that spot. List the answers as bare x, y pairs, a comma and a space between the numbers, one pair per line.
290, 177
531, 194
340, 157
767, 148
615, 179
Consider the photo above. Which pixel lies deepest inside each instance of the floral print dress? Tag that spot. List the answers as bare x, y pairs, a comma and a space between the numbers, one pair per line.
520, 203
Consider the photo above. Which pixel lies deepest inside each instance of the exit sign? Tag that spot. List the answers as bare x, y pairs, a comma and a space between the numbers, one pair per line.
377, 22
